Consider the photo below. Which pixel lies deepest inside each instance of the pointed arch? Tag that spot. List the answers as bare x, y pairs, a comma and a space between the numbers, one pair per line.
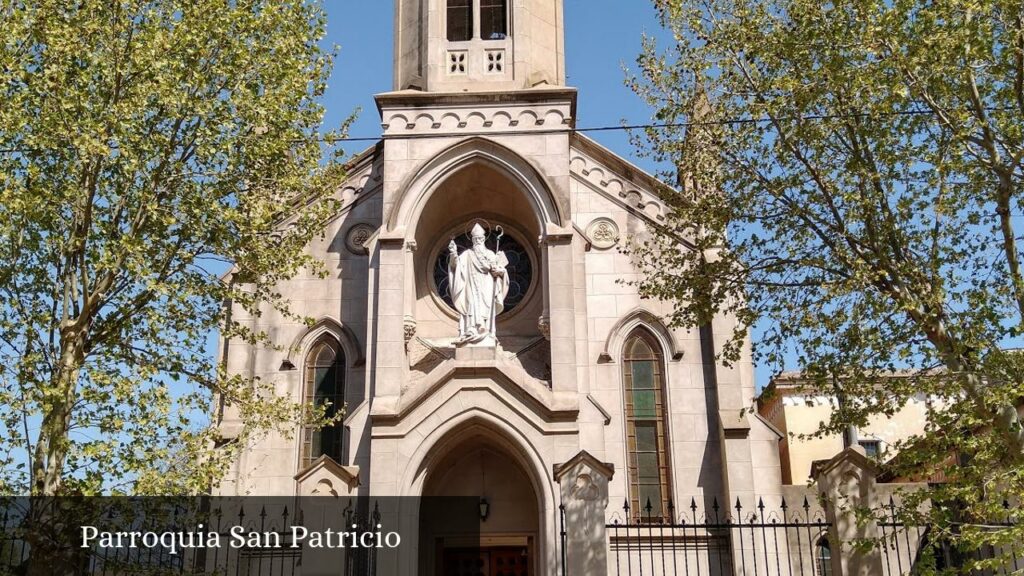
475, 420
343, 334
823, 556
441, 440
640, 317
417, 189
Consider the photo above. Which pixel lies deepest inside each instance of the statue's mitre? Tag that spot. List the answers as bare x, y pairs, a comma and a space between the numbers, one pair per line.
478, 231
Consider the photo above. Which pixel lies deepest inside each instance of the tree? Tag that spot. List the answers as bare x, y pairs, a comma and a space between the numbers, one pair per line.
853, 176
146, 148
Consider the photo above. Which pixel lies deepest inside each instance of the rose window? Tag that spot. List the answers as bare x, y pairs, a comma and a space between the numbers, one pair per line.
519, 269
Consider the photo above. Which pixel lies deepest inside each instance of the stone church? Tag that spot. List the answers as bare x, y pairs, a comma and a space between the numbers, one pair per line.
575, 393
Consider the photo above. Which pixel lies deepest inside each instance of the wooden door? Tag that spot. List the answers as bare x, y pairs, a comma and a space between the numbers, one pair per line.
492, 561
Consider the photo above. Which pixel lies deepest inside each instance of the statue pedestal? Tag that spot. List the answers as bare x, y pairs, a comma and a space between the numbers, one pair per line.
487, 350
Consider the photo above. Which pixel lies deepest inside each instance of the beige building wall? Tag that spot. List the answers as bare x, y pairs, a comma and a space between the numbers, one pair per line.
800, 414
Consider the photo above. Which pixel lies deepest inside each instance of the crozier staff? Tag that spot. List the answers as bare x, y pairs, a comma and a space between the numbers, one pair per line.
478, 283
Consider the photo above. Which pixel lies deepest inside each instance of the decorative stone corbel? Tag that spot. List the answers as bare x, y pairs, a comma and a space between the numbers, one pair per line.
544, 325
409, 304
409, 330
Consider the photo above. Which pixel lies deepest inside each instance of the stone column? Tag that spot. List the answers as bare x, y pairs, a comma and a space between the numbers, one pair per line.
389, 357
561, 311
583, 482
592, 421
848, 482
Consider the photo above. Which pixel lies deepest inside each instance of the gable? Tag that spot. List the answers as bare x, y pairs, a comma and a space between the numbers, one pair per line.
363, 179
617, 180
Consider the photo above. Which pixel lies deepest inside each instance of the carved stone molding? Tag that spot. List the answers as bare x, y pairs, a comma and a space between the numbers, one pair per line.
634, 196
325, 477
603, 233
472, 120
363, 179
583, 487
356, 238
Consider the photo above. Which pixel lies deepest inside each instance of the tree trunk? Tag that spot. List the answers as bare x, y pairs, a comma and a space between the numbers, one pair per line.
51, 448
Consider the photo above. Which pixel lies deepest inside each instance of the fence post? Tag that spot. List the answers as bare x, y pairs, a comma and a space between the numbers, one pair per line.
847, 482
583, 482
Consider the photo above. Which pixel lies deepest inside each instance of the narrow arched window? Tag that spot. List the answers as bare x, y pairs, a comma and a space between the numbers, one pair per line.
646, 429
493, 19
460, 20
824, 553
325, 386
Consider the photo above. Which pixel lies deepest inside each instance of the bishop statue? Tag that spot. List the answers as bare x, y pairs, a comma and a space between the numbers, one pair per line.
478, 283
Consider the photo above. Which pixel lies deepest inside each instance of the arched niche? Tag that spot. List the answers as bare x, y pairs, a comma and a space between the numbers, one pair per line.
422, 185
477, 179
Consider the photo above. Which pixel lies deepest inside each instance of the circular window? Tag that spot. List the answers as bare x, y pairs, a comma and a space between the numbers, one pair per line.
519, 269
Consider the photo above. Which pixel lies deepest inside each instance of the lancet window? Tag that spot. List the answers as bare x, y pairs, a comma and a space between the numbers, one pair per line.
325, 386
646, 428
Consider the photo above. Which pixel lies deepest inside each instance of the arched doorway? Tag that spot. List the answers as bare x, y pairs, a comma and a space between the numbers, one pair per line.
479, 466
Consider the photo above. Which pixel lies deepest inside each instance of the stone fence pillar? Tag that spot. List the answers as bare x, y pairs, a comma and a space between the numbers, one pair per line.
848, 482
583, 482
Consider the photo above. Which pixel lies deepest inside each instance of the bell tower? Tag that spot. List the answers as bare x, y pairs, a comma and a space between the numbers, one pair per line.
478, 45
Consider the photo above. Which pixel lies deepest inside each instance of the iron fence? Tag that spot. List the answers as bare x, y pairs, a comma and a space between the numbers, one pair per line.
905, 547
783, 540
715, 541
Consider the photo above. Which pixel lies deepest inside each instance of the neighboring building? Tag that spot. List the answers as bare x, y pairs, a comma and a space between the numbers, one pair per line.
796, 410
588, 392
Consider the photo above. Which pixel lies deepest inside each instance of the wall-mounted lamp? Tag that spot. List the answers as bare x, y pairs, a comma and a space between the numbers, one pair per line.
485, 508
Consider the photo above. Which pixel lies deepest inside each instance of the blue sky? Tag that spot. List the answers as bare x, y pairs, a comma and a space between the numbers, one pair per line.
601, 37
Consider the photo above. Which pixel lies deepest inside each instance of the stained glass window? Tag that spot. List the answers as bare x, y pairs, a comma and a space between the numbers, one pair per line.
325, 386
519, 269
646, 432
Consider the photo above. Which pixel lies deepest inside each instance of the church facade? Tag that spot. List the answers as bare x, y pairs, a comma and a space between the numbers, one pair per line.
574, 401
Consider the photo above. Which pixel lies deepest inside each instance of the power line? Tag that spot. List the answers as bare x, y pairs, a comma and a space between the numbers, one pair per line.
622, 127
692, 124
700, 123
